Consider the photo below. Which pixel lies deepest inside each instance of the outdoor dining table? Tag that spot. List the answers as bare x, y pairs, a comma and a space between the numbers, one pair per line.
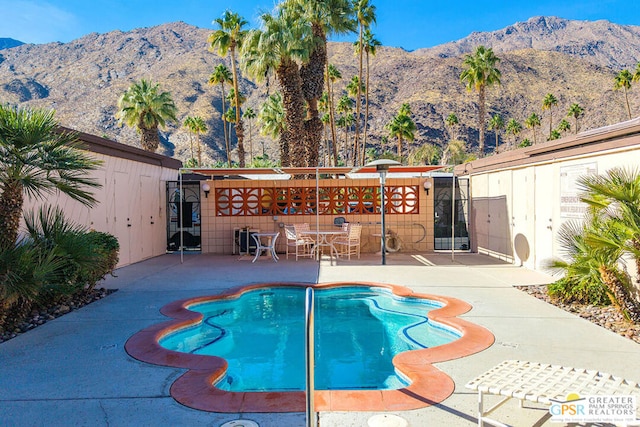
270, 246
323, 239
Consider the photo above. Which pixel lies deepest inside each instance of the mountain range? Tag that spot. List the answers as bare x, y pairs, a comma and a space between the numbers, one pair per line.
575, 60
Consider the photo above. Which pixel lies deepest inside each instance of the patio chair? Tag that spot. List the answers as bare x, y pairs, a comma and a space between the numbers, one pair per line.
303, 245
349, 243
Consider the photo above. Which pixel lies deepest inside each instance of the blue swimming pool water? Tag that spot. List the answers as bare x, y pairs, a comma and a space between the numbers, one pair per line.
358, 331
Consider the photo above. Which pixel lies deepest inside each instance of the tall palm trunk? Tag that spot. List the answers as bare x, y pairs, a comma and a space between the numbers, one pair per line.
481, 118
332, 117
366, 112
400, 147
312, 74
626, 98
293, 101
199, 150
626, 304
149, 139
345, 151
224, 126
11, 201
356, 143
238, 125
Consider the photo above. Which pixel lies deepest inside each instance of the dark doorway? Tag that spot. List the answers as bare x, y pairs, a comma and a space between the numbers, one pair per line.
189, 222
443, 187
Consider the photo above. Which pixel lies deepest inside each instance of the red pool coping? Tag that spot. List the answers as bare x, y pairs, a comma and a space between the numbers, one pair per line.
195, 388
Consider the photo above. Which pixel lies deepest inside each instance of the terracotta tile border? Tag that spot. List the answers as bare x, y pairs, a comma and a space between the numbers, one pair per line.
195, 388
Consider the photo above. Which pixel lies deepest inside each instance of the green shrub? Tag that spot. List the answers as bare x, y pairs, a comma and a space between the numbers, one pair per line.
24, 272
107, 247
56, 258
570, 290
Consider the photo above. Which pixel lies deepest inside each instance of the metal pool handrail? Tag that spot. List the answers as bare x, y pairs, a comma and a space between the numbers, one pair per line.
309, 357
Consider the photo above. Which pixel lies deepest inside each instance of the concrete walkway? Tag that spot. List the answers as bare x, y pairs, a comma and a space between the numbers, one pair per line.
73, 371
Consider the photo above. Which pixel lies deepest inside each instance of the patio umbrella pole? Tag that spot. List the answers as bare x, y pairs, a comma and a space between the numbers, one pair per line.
453, 212
181, 220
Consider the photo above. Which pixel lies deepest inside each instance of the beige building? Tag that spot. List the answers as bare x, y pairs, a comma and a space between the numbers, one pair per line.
132, 199
520, 198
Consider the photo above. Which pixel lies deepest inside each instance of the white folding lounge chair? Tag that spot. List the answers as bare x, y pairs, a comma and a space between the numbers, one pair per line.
543, 383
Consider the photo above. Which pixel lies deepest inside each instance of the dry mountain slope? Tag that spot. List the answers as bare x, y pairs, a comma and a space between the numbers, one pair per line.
83, 79
601, 42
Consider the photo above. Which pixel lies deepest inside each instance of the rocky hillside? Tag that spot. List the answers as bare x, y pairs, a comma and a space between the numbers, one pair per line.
601, 42
83, 79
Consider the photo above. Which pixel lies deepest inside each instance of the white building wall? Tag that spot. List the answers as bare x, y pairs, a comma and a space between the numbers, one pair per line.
517, 211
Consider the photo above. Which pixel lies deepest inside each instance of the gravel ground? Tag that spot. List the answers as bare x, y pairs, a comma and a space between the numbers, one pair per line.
607, 317
42, 316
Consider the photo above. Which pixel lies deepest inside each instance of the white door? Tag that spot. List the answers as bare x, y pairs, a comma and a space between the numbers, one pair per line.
545, 198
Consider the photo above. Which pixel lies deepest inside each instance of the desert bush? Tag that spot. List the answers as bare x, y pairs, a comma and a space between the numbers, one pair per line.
55, 258
579, 291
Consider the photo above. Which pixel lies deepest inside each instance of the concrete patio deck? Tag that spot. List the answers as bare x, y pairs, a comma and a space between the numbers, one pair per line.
74, 370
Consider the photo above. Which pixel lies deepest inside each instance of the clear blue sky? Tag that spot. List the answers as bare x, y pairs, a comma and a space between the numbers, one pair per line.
410, 24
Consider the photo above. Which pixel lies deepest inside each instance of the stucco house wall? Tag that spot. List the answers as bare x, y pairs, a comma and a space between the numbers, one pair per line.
131, 202
521, 198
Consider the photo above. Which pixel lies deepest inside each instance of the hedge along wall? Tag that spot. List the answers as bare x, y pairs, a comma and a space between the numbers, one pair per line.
269, 205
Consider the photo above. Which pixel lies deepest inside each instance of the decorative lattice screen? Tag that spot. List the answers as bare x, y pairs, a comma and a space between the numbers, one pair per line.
241, 201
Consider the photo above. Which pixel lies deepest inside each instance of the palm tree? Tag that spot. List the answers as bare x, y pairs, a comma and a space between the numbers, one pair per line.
195, 125
272, 122
326, 17
623, 81
564, 126
548, 103
37, 159
188, 122
575, 111
480, 72
220, 76
199, 126
496, 123
231, 98
144, 107
531, 123
327, 149
332, 75
402, 128
249, 114
365, 16
283, 42
636, 73
615, 193
405, 109
513, 128
355, 87
455, 153
427, 154
345, 107
227, 39
370, 47
451, 122
581, 266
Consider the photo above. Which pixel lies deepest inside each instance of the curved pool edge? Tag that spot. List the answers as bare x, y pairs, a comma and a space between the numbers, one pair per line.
195, 388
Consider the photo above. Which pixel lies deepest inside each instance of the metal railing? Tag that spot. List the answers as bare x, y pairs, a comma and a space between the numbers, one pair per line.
309, 357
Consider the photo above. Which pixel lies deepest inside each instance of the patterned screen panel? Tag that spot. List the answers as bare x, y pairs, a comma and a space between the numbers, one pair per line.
303, 201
